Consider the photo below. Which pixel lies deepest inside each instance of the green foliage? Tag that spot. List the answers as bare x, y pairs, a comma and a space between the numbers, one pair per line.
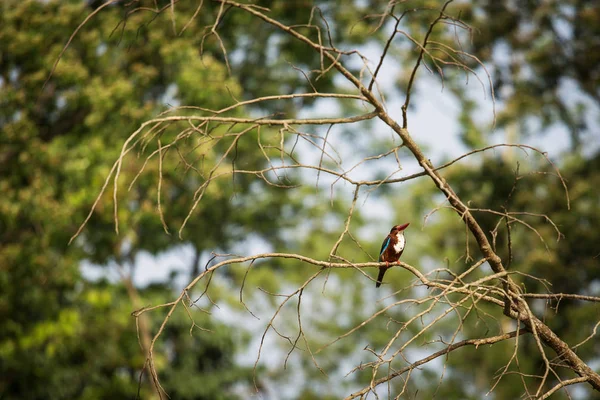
537, 53
65, 337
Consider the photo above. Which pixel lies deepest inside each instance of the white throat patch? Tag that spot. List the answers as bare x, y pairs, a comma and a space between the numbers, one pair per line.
399, 246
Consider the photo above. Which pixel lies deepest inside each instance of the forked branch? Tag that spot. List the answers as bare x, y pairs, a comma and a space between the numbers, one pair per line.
447, 296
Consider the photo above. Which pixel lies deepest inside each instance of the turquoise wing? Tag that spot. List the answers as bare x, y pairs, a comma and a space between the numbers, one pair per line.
384, 246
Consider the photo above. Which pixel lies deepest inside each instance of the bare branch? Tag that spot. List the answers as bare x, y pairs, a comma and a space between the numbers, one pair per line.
562, 385
418, 63
448, 349
448, 295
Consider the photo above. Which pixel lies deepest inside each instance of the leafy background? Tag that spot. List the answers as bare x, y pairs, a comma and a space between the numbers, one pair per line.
68, 335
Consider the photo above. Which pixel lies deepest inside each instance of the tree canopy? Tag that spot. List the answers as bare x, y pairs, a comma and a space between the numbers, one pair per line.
263, 139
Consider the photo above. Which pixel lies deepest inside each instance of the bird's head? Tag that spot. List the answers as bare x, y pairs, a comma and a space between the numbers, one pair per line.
399, 228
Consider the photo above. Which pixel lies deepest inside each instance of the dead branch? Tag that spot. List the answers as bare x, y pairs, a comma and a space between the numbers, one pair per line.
448, 349
456, 296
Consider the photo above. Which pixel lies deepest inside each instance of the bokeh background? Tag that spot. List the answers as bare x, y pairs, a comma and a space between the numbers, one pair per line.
66, 328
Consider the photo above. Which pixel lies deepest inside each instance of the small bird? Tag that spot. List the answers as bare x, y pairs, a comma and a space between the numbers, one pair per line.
391, 249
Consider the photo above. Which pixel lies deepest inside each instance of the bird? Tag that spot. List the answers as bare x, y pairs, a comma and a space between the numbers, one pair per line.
391, 249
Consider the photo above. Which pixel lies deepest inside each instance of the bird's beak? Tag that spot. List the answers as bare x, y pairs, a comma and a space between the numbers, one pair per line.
403, 227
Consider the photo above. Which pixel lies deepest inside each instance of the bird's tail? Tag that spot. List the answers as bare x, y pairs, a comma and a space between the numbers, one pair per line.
380, 276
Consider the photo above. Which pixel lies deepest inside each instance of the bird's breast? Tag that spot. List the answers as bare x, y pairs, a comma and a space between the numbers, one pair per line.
400, 242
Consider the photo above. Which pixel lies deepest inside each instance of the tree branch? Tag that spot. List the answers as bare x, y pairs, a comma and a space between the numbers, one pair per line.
448, 349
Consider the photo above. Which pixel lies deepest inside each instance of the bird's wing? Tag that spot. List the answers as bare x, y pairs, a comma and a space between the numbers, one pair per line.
384, 246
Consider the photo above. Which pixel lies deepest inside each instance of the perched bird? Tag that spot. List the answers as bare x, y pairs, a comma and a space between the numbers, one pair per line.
391, 249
